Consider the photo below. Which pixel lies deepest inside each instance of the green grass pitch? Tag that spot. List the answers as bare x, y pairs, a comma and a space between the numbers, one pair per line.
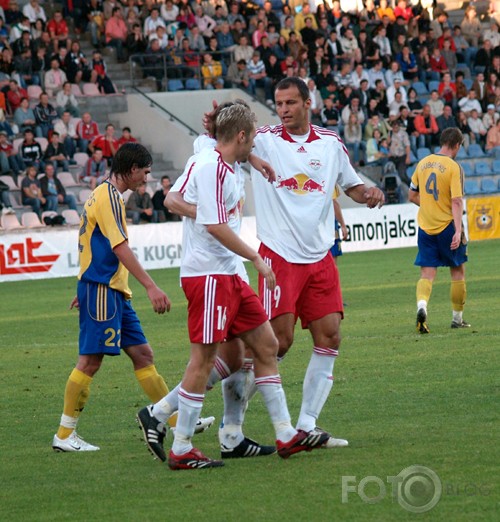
401, 399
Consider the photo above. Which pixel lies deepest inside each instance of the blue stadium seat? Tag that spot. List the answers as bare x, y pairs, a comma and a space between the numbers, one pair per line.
462, 154
175, 85
433, 85
413, 159
437, 148
423, 99
468, 83
420, 87
470, 187
193, 84
488, 186
496, 166
468, 170
475, 151
422, 152
410, 170
483, 168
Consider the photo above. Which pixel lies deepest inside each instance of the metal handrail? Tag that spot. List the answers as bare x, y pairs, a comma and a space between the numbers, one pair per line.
171, 116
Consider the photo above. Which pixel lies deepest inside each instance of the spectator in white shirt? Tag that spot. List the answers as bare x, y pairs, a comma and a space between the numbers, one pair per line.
436, 104
169, 12
34, 11
376, 73
152, 22
490, 117
469, 103
394, 88
477, 127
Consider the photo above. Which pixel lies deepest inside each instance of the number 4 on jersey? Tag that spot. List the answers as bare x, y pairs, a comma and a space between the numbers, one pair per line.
431, 186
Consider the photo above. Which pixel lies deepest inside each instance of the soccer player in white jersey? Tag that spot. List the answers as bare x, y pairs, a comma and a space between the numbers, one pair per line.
220, 304
296, 227
230, 355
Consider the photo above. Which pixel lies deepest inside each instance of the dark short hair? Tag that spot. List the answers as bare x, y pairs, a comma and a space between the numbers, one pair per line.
126, 129
293, 81
451, 137
55, 133
130, 155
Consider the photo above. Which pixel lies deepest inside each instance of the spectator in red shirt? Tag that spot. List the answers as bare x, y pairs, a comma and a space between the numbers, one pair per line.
116, 34
107, 143
437, 62
402, 9
447, 36
86, 130
15, 94
447, 89
126, 137
58, 30
426, 126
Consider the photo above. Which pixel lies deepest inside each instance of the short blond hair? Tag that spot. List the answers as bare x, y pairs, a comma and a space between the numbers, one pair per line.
231, 120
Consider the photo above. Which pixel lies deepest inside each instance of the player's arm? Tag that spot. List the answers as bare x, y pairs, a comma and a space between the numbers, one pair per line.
457, 210
158, 298
263, 167
175, 203
340, 218
223, 233
414, 195
372, 197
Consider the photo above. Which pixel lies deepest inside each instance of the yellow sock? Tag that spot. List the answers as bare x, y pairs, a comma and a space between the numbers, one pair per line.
154, 387
458, 293
424, 290
76, 395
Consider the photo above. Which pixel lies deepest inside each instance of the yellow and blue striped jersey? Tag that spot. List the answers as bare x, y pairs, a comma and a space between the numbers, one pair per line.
102, 228
438, 179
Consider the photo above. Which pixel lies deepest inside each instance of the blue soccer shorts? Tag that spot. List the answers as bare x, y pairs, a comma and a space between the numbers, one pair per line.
107, 321
434, 250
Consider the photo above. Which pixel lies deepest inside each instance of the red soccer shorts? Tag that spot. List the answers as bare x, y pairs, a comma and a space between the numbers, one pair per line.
309, 291
220, 307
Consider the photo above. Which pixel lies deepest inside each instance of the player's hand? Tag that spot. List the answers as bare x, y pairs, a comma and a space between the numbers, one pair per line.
374, 197
345, 232
266, 272
456, 240
159, 300
208, 119
74, 303
263, 167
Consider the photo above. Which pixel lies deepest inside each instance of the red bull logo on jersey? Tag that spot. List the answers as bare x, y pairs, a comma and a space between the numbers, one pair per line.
300, 184
315, 164
20, 258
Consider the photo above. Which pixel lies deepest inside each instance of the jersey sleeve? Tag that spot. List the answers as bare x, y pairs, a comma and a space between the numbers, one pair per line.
204, 141
414, 180
211, 208
110, 217
456, 181
347, 175
182, 181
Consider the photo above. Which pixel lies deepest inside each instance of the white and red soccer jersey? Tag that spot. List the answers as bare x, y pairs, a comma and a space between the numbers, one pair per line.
215, 188
295, 216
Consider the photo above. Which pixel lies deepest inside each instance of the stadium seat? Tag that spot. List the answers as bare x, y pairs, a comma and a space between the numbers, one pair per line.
84, 195
410, 170
413, 159
437, 148
468, 170
175, 85
91, 89
31, 220
66, 179
10, 222
496, 166
49, 214
9, 181
468, 83
462, 153
71, 217
16, 144
15, 200
423, 99
488, 186
475, 151
75, 89
420, 87
483, 168
81, 158
193, 84
43, 143
34, 92
433, 85
470, 187
422, 152
497, 152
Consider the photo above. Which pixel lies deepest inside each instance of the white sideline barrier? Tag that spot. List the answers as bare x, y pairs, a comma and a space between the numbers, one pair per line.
39, 254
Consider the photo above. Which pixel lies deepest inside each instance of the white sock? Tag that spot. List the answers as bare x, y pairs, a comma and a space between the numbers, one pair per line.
275, 400
235, 393
457, 316
167, 406
69, 422
219, 372
318, 383
422, 304
190, 405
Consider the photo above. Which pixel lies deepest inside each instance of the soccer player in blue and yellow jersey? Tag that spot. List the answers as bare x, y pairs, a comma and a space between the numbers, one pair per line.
108, 322
437, 188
